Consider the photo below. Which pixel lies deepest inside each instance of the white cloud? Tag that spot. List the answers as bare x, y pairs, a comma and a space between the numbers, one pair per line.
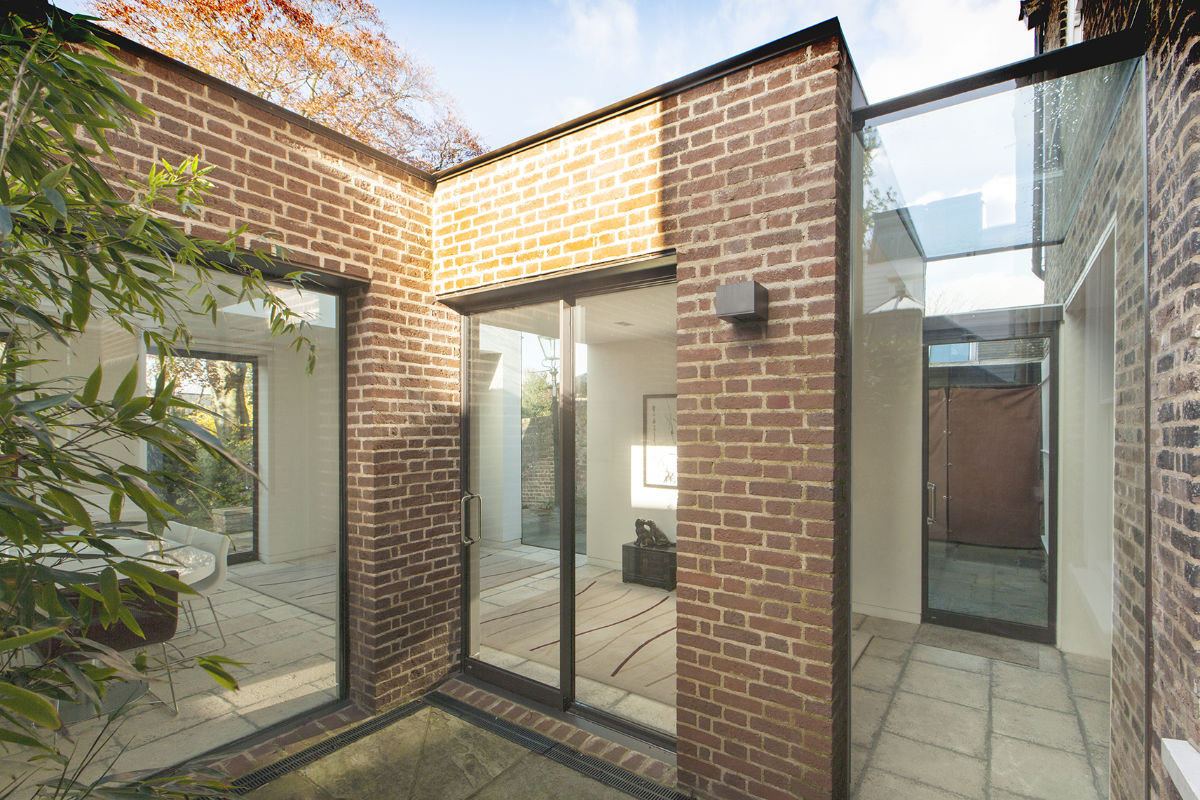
604, 32
920, 43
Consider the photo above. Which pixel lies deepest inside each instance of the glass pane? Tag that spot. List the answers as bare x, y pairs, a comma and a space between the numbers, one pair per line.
513, 365
227, 389
276, 613
626, 489
988, 548
998, 354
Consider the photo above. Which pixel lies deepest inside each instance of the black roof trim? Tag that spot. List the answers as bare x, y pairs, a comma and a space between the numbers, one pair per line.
142, 51
646, 269
828, 29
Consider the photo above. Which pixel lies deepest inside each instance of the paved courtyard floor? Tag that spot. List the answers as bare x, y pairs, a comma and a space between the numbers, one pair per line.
1010, 721
288, 666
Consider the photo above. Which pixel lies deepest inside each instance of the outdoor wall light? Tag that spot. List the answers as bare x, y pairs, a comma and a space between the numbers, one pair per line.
742, 302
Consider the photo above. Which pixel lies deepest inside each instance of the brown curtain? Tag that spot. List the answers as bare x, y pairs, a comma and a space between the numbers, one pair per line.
994, 455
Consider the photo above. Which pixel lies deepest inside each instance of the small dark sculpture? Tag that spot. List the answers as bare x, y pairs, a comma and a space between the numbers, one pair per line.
649, 534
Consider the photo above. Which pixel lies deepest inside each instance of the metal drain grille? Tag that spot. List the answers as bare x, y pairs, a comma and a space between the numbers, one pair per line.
259, 777
612, 775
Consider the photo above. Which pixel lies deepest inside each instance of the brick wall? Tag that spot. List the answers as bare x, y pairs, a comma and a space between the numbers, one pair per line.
741, 176
1173, 130
341, 208
1173, 215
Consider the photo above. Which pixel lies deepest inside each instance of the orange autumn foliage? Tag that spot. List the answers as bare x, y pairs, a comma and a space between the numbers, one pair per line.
329, 60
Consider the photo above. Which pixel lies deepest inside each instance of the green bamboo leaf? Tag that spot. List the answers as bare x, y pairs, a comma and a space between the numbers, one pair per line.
56, 200
43, 403
110, 590
81, 304
91, 389
29, 705
126, 387
22, 740
69, 505
6, 222
26, 639
52, 179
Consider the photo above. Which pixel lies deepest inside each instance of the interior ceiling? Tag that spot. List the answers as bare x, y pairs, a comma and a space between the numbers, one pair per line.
639, 314
647, 313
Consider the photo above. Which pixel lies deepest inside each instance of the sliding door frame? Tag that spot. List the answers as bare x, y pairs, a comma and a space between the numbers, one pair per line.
1032, 322
652, 270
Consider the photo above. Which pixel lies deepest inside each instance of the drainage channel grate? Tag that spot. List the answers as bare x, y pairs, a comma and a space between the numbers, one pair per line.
611, 775
260, 777
595, 768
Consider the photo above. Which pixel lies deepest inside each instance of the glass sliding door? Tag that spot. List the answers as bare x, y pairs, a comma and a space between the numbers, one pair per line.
512, 507
568, 510
625, 476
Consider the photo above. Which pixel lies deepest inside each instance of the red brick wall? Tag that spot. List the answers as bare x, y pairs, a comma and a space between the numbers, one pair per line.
341, 208
1173, 213
741, 176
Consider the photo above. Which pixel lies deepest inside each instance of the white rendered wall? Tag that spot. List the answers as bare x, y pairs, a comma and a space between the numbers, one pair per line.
887, 409
1086, 467
618, 375
496, 432
298, 450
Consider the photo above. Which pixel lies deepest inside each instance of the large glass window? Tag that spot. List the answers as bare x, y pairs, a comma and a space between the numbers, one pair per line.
569, 513
268, 596
998, 442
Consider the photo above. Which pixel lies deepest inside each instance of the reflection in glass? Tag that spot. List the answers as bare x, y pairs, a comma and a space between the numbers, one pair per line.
513, 366
999, 424
625, 472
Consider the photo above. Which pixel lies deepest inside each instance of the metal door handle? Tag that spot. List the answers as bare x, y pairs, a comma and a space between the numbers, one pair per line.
931, 500
466, 520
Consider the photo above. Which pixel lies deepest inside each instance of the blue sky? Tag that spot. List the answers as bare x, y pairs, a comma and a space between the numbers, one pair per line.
517, 67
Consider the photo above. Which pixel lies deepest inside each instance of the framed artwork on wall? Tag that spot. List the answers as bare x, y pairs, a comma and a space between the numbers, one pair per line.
659, 441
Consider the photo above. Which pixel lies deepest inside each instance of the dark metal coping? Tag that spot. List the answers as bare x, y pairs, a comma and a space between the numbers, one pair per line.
276, 268
1055, 64
828, 29
644, 270
595, 768
142, 51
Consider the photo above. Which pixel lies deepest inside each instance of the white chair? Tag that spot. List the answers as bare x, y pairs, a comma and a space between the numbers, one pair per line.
218, 545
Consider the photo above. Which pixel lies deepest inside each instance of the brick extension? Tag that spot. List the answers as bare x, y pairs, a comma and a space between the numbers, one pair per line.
740, 177
744, 175
339, 207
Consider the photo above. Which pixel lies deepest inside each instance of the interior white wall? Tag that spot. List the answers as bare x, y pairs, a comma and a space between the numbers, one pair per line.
298, 417
619, 374
116, 351
886, 451
1087, 466
298, 429
496, 432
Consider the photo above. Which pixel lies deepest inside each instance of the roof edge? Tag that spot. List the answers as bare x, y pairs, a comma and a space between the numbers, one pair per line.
830, 28
188, 71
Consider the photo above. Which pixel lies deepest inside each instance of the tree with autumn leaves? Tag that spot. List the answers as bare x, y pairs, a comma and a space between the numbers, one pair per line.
329, 60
